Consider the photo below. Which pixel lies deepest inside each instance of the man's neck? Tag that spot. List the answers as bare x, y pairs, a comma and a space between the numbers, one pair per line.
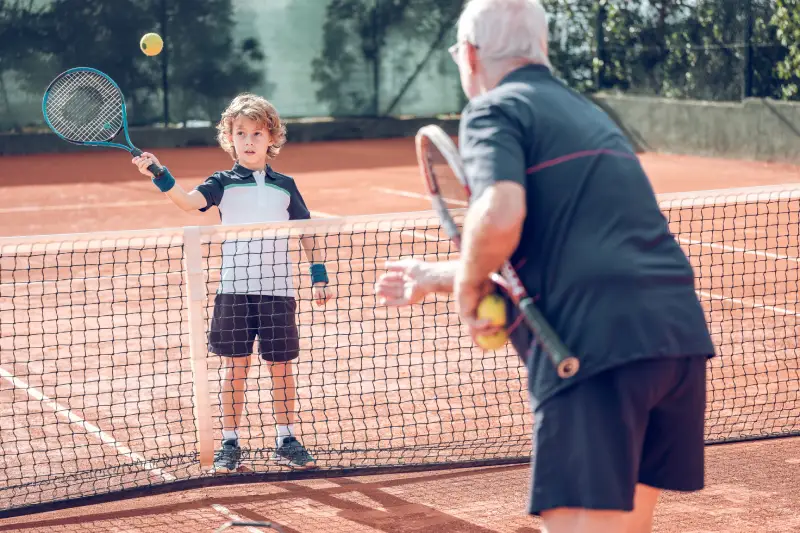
496, 72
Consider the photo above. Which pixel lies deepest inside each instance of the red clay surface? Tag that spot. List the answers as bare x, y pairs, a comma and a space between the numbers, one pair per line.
750, 486
101, 190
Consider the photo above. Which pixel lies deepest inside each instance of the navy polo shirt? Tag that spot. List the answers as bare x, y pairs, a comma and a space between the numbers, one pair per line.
243, 196
596, 251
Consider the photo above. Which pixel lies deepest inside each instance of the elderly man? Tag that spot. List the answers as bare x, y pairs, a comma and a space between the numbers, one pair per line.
557, 188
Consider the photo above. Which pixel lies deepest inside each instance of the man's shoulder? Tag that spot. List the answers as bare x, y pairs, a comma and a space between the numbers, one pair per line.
507, 103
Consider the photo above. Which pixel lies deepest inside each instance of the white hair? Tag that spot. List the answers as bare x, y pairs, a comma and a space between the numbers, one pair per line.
505, 29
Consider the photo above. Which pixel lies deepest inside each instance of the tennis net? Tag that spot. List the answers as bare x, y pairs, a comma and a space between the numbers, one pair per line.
107, 387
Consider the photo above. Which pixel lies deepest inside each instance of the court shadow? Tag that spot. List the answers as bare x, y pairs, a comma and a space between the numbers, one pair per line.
332, 505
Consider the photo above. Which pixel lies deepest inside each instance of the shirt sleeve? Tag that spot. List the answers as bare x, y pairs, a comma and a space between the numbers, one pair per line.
297, 206
212, 190
491, 143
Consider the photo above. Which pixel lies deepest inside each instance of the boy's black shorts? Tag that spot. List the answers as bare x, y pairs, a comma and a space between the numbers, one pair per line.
239, 318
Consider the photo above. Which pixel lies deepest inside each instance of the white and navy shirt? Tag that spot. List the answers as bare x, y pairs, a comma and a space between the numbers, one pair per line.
244, 196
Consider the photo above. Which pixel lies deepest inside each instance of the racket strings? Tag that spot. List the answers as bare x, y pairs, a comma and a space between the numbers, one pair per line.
85, 106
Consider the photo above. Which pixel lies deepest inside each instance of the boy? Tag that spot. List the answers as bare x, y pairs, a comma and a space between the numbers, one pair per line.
255, 297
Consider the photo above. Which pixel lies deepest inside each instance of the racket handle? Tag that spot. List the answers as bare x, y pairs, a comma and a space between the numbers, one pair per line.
154, 169
567, 365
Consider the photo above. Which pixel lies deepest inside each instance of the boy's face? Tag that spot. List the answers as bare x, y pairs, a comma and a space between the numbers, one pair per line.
251, 142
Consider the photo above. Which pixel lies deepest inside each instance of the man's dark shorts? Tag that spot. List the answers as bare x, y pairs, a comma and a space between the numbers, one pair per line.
642, 422
239, 318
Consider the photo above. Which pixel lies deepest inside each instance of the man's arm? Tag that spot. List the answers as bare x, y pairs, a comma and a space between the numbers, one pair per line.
492, 230
409, 281
493, 138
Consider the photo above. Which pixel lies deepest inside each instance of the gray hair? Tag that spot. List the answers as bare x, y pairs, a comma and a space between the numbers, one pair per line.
505, 29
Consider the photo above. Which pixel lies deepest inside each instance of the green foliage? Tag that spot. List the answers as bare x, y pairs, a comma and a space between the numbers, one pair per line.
787, 23
206, 64
668, 48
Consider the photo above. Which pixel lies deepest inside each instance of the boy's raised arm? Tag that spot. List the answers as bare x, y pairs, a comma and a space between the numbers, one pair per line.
188, 201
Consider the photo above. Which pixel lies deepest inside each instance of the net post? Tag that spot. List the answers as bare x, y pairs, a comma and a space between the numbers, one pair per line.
198, 350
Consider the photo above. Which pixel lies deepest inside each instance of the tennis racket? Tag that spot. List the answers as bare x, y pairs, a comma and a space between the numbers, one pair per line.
85, 106
443, 172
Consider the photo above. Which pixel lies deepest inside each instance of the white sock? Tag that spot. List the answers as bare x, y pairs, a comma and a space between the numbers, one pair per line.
230, 435
283, 432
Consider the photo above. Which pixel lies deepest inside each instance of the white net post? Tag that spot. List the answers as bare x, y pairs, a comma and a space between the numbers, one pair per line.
198, 350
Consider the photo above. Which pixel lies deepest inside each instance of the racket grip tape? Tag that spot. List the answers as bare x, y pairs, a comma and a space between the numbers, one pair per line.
154, 169
567, 365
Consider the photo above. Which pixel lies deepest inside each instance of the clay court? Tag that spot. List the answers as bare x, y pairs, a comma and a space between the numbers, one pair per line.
745, 254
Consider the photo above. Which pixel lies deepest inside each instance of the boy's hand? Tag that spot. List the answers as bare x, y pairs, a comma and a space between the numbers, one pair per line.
144, 161
320, 293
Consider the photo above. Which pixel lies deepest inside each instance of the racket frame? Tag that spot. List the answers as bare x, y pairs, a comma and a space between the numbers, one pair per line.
566, 364
154, 169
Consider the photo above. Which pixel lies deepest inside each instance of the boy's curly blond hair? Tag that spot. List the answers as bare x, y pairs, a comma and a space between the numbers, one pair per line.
255, 108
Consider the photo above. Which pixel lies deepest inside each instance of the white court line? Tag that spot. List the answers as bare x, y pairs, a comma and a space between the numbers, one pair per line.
90, 428
80, 207
748, 303
747, 251
233, 516
416, 196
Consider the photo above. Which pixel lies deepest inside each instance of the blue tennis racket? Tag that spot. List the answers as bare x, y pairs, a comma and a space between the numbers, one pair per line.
85, 106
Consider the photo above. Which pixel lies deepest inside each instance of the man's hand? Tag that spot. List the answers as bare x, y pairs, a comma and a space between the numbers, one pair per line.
320, 293
409, 281
468, 295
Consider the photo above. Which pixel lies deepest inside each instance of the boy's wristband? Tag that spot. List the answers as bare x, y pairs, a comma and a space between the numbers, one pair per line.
318, 273
165, 182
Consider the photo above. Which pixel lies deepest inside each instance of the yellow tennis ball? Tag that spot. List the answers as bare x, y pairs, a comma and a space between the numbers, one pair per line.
151, 44
493, 308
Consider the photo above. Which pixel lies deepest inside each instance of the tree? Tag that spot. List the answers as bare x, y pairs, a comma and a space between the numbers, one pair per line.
207, 65
19, 33
787, 23
355, 35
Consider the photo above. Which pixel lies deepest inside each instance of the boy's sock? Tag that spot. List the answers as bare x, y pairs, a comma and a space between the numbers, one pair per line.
283, 432
230, 435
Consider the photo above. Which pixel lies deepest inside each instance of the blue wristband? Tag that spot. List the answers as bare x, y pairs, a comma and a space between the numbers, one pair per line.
165, 182
318, 273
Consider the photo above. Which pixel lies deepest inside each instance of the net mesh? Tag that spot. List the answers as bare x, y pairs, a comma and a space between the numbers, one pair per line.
84, 106
96, 377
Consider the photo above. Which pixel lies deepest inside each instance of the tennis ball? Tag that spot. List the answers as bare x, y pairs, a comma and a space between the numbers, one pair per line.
151, 44
493, 308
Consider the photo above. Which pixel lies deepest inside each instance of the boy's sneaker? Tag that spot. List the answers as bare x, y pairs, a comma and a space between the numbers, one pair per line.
227, 458
293, 454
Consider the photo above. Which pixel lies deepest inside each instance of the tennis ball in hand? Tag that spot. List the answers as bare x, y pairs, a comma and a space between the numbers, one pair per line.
493, 308
151, 44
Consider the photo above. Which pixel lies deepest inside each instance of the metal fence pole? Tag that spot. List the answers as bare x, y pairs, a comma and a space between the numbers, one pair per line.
164, 62
747, 85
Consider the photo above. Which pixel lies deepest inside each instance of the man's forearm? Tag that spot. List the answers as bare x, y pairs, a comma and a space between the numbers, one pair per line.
440, 276
491, 232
